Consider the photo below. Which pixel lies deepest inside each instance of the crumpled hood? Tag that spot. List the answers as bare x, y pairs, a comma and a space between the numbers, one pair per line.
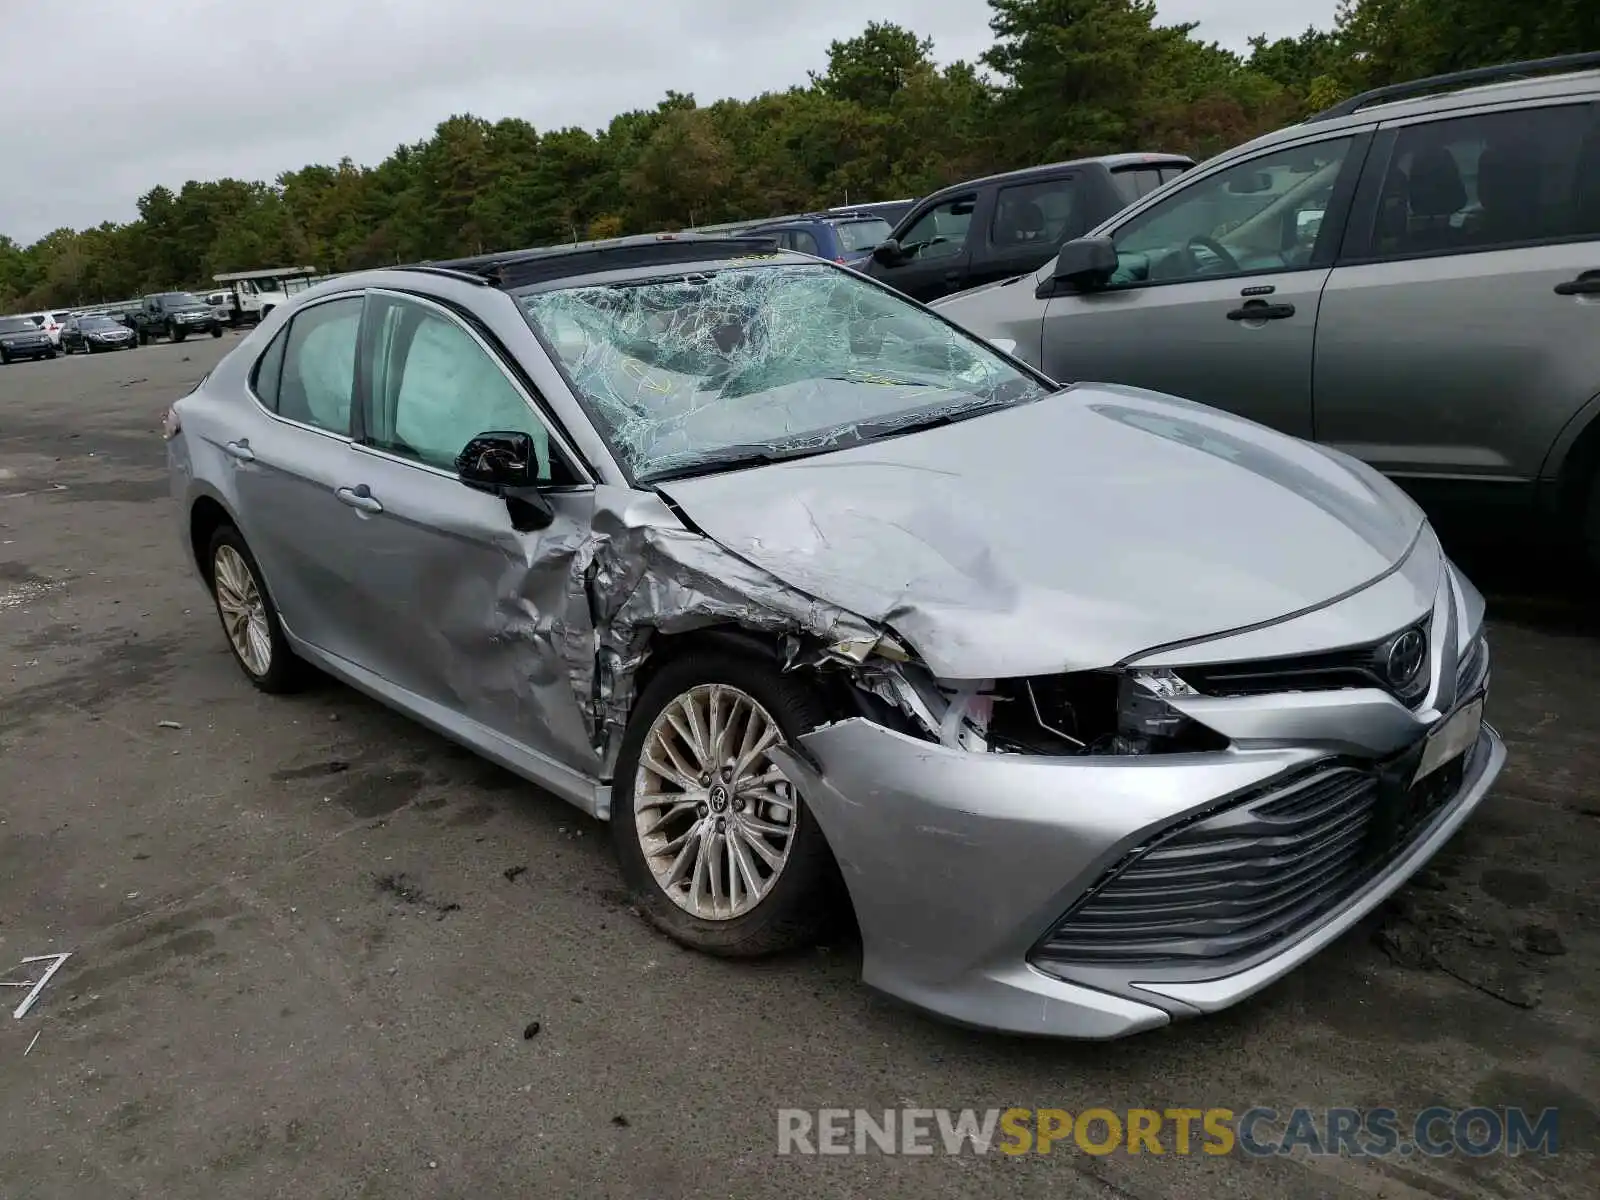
1066, 534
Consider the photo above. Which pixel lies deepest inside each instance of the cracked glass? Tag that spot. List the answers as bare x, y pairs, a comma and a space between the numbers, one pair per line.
751, 363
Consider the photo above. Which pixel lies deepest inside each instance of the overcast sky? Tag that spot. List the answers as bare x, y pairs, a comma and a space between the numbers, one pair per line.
104, 99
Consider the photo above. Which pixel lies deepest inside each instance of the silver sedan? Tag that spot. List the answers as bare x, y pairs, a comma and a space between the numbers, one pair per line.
1093, 708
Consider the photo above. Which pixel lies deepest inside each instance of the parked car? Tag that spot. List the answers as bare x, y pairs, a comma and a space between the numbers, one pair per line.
1003, 225
798, 584
21, 337
174, 315
94, 332
1412, 276
50, 323
846, 237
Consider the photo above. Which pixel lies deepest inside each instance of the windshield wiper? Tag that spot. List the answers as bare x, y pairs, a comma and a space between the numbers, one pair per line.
917, 422
731, 458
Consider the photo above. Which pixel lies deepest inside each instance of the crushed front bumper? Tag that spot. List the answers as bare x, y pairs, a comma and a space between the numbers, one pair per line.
959, 865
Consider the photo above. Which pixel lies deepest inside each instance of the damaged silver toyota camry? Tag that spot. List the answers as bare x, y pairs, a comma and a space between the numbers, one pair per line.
1098, 708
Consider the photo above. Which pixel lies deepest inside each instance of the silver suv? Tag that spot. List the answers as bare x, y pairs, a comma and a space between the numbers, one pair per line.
1412, 276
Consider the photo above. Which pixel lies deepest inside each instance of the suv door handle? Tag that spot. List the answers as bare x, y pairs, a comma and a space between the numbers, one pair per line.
1260, 310
1586, 284
359, 497
240, 450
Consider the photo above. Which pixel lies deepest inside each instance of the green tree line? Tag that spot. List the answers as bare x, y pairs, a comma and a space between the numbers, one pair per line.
1062, 78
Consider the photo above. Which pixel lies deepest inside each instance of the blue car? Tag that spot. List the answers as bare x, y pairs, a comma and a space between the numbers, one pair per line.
846, 237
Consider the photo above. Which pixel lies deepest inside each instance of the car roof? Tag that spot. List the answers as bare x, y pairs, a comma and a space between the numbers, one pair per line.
1401, 100
1111, 162
519, 268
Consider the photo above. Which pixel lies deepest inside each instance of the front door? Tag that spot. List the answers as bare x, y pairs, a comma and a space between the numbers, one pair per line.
287, 460
466, 612
1217, 288
935, 252
1461, 332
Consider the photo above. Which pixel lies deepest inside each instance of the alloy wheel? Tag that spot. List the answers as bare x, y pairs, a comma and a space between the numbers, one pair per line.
243, 609
715, 816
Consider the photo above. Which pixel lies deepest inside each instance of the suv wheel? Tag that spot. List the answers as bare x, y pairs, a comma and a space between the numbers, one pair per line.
1589, 526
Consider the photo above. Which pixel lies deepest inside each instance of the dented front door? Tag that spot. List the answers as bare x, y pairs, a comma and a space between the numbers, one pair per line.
466, 612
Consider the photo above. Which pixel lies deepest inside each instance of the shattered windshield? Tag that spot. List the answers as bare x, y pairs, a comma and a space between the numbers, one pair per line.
751, 363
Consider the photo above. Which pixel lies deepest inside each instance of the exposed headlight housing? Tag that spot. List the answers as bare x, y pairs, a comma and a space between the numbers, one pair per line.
1097, 712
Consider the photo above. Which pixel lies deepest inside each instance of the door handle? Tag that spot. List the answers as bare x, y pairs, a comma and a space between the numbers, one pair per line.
1260, 310
359, 497
1586, 284
240, 450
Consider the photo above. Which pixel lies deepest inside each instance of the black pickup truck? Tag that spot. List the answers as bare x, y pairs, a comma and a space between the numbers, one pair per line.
173, 315
986, 229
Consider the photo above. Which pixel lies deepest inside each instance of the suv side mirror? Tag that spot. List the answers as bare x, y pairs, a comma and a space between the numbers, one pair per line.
505, 464
1083, 264
888, 253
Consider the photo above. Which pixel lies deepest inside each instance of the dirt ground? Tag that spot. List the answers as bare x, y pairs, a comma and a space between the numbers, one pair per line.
304, 962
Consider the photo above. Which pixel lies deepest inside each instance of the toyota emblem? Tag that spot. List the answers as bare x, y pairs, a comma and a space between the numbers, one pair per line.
1404, 662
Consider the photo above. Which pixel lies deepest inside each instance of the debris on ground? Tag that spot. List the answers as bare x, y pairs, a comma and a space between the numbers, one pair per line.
1538, 939
511, 873
33, 1043
402, 887
620, 1121
38, 985
531, 1032
168, 725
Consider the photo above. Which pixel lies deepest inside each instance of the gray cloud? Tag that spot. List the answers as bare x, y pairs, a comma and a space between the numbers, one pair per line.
105, 99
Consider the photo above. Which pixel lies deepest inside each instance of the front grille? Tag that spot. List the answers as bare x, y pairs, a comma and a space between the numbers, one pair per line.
1330, 670
1241, 878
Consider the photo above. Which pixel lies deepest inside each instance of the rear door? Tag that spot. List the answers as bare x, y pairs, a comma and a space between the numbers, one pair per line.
1217, 286
1460, 331
288, 454
936, 249
1026, 226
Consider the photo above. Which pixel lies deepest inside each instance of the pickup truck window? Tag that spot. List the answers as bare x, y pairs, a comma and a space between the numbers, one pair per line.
1033, 214
941, 232
1134, 182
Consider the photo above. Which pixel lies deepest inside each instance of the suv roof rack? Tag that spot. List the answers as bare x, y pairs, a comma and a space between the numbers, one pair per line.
1456, 79
518, 268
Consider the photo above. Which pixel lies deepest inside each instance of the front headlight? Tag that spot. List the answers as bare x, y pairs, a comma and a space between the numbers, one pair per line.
1097, 712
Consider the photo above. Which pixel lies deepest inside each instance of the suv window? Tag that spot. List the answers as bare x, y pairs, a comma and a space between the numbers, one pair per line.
1491, 181
1264, 214
862, 235
803, 241
435, 388
1032, 214
319, 365
941, 232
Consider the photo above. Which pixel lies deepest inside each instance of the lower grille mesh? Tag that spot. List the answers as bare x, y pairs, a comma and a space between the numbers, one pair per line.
1244, 877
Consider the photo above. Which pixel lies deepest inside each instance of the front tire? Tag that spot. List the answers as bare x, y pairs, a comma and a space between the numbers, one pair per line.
249, 618
717, 846
216, 331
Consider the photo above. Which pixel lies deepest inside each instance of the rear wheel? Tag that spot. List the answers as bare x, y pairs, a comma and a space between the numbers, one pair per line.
715, 843
249, 619
216, 331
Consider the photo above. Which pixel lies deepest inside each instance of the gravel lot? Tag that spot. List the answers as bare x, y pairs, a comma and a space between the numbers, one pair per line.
300, 968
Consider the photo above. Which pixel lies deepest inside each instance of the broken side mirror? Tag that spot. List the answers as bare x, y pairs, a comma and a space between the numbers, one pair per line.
1082, 265
506, 464
887, 253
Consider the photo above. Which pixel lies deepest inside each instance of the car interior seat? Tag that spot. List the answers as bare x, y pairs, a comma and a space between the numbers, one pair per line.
1436, 194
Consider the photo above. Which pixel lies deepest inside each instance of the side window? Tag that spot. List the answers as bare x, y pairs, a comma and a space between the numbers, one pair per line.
435, 388
941, 232
264, 376
1490, 181
1034, 214
805, 242
1257, 216
319, 365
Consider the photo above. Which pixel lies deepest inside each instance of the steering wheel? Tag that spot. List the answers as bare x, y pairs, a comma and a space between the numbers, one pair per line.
1212, 247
